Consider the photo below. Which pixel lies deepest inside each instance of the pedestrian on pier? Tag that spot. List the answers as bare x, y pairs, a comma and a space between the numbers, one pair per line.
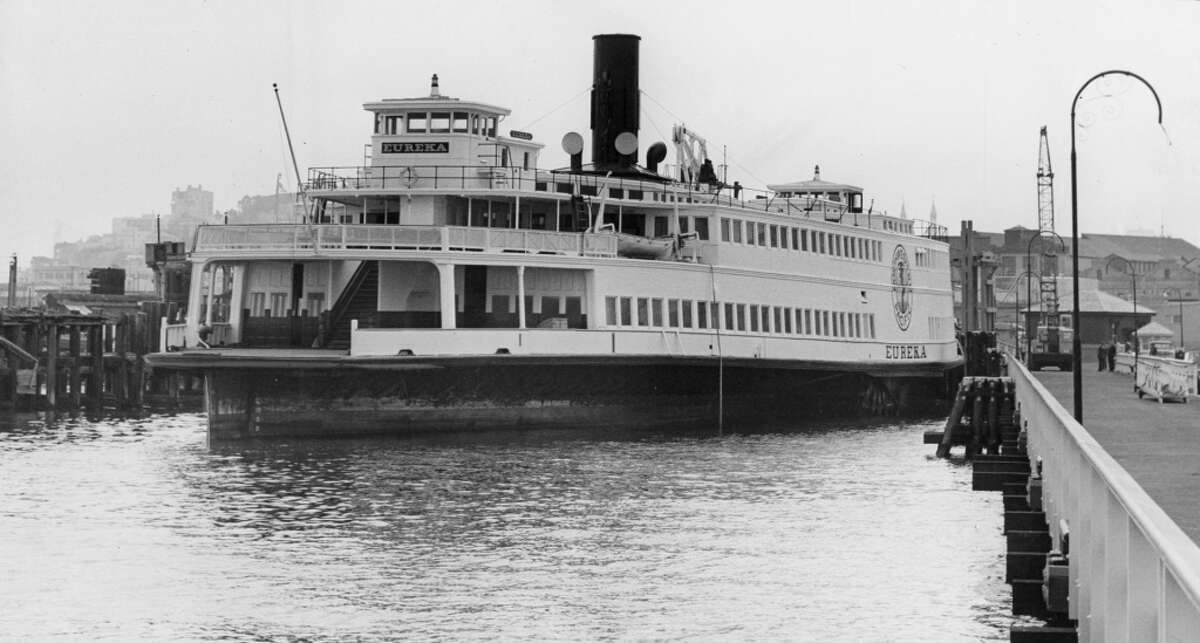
1112, 357
1101, 356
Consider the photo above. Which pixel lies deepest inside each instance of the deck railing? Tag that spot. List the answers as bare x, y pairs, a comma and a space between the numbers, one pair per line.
1135, 575
621, 189
325, 238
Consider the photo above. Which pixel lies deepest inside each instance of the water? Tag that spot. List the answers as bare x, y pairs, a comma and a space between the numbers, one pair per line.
136, 530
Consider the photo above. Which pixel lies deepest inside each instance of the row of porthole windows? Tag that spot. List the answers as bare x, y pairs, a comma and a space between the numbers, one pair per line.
650, 312
768, 235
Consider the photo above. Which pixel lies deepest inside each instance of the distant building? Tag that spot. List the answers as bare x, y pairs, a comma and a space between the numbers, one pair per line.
1165, 268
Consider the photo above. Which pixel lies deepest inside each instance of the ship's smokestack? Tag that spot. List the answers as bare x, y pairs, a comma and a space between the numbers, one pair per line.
615, 103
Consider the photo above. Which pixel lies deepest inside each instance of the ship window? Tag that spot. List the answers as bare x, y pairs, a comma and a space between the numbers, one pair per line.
673, 313
804, 239
729, 317
278, 304
626, 311
766, 319
550, 307
762, 234
871, 320
778, 315
726, 234
392, 124
687, 313
787, 320
821, 242
526, 163
656, 312
474, 123
774, 236
439, 122
460, 122
808, 325
701, 315
610, 310
417, 122
795, 238
741, 317
489, 126
715, 314
683, 224
643, 312
753, 318
258, 303
701, 226
817, 322
737, 231
825, 325
858, 325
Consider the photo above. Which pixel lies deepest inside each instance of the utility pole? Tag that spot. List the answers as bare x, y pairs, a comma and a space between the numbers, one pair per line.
12, 282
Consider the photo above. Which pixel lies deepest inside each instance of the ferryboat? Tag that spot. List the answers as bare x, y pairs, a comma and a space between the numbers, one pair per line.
450, 284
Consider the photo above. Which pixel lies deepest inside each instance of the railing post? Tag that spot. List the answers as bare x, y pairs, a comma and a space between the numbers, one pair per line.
445, 231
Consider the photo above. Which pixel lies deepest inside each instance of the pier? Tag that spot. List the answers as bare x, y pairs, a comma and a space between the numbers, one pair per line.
67, 361
1101, 519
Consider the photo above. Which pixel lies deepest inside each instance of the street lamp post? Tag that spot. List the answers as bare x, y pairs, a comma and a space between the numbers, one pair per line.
1017, 313
1028, 264
1076, 347
1137, 340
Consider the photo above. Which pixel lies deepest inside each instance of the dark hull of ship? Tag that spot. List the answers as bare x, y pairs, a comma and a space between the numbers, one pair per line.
345, 396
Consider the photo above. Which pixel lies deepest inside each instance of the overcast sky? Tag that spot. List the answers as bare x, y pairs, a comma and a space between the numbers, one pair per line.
109, 106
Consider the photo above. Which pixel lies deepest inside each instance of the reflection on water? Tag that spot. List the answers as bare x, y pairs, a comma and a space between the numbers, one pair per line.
135, 529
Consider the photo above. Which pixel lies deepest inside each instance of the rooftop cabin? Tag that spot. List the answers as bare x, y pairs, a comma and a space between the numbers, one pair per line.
850, 196
439, 130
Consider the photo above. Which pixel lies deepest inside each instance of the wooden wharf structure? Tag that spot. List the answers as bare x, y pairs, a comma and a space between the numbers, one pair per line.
1101, 519
51, 360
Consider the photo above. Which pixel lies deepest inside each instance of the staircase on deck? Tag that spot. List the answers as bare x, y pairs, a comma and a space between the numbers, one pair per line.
359, 300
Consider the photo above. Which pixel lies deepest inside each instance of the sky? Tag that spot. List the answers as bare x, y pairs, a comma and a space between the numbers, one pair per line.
105, 108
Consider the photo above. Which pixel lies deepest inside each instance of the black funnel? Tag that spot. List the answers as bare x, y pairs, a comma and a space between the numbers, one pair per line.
615, 101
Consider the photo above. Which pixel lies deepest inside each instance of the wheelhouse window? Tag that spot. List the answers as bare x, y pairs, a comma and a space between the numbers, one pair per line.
439, 122
418, 122
489, 126
392, 124
460, 122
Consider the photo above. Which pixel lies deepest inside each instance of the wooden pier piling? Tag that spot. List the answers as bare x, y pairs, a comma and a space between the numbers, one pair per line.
66, 361
985, 418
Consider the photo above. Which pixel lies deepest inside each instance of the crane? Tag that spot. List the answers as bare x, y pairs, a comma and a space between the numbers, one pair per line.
1049, 332
692, 152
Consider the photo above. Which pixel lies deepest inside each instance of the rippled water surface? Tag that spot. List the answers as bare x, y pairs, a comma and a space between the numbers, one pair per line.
137, 530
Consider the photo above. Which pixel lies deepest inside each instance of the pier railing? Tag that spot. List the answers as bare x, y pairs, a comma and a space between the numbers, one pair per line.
326, 238
1135, 574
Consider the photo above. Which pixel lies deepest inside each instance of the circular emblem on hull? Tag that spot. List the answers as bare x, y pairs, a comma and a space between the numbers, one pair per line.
901, 288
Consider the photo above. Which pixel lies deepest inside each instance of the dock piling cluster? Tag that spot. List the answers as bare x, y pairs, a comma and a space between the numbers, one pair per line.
62, 361
986, 422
